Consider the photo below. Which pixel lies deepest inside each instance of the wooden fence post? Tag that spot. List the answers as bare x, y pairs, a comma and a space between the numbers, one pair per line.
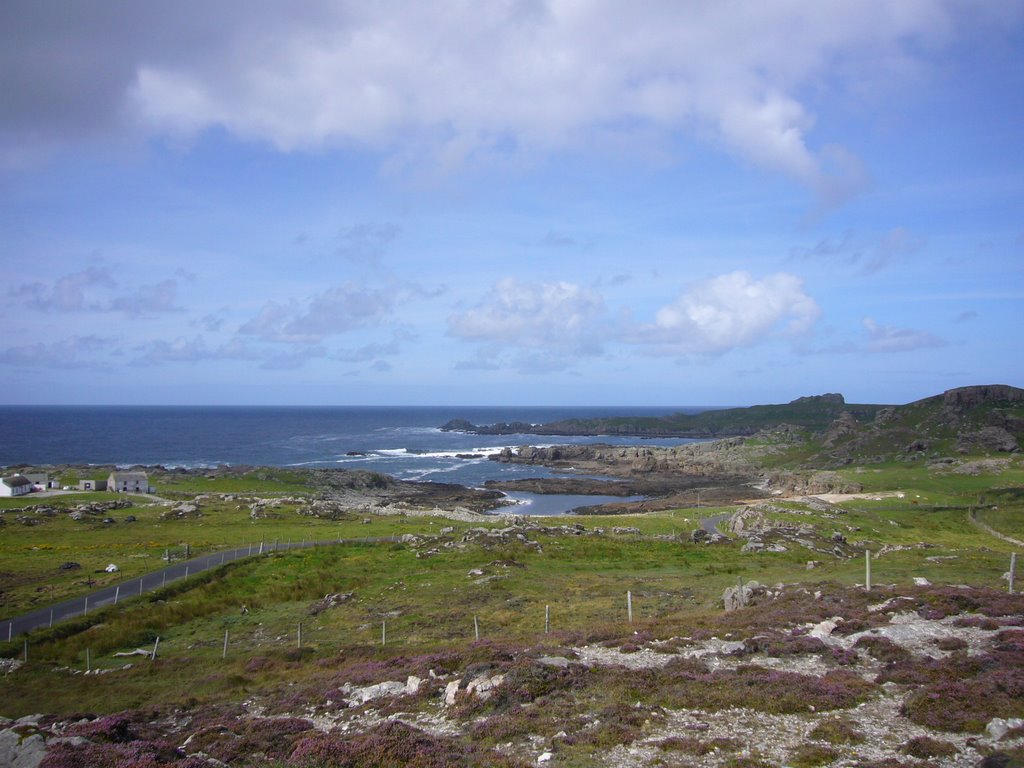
117, 594
867, 570
155, 646
629, 606
300, 635
1013, 569
88, 660
224, 654
384, 633
476, 629
85, 611
547, 619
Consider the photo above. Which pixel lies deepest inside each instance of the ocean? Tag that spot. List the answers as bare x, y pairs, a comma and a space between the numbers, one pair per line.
404, 442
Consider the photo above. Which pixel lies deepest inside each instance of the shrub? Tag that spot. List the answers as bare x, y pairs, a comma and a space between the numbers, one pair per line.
882, 649
681, 684
617, 724
925, 747
836, 731
119, 728
921, 670
977, 622
271, 736
967, 705
137, 754
785, 645
391, 745
1010, 641
963, 693
951, 644
812, 755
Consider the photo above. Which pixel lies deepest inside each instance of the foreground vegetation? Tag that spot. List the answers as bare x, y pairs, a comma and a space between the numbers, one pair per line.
414, 606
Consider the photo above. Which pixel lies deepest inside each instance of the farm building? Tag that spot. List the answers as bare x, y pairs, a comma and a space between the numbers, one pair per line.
42, 480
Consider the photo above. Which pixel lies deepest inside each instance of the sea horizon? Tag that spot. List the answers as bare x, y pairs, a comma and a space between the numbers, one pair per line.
406, 443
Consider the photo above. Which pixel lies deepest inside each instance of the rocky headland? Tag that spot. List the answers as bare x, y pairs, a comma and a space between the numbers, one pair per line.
782, 458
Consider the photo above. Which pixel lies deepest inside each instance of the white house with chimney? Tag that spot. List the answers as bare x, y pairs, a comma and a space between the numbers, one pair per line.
129, 482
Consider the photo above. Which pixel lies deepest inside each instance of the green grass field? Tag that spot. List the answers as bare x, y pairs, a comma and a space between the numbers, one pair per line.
429, 601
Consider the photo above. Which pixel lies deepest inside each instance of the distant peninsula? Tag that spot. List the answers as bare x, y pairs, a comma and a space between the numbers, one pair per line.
814, 413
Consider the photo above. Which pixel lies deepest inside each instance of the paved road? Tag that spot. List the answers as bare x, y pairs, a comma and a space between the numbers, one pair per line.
80, 606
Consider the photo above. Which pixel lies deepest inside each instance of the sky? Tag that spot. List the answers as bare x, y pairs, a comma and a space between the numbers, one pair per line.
511, 202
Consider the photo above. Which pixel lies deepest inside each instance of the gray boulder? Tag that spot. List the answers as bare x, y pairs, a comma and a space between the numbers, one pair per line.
20, 750
741, 595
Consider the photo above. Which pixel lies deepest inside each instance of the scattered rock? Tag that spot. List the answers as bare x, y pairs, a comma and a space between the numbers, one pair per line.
357, 696
999, 727
183, 511
329, 601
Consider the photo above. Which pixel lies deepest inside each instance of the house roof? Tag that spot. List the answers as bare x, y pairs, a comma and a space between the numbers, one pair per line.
129, 476
16, 481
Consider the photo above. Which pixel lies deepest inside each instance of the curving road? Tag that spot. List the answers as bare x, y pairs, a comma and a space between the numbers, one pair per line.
80, 606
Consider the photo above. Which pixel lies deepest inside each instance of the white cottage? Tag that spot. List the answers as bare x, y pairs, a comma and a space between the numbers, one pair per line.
128, 482
15, 485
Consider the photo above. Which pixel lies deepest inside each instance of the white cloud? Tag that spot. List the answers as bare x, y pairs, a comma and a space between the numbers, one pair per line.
293, 358
87, 291
729, 311
71, 353
456, 79
337, 310
885, 338
189, 350
70, 293
342, 308
366, 241
561, 317
865, 254
149, 299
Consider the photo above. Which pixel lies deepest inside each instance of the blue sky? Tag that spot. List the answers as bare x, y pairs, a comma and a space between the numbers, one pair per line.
564, 202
